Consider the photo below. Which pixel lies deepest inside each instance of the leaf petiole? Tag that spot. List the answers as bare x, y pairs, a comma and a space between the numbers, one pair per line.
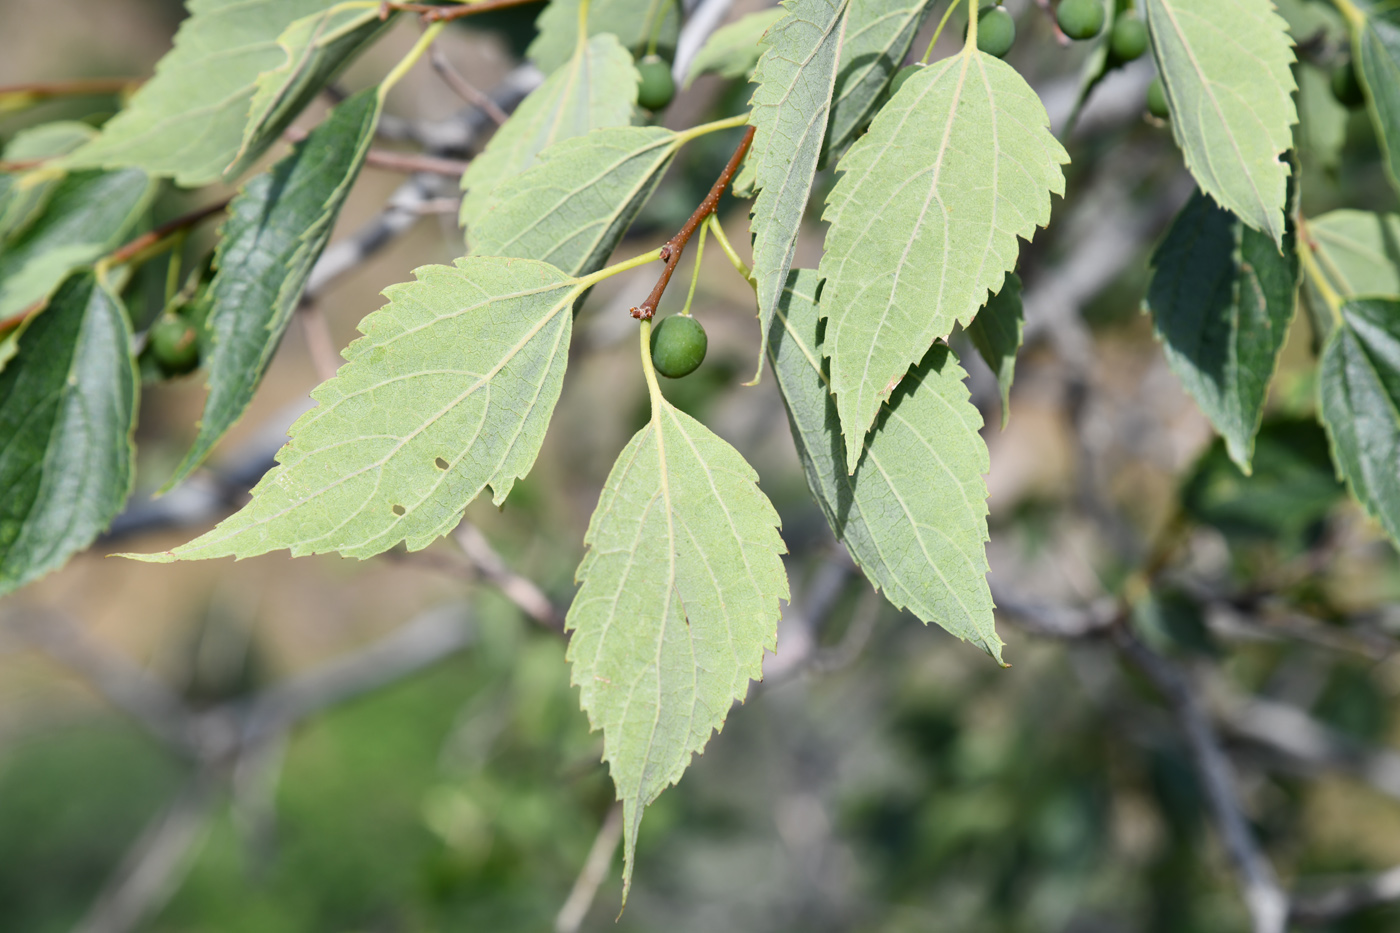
408, 61
607, 272
1315, 273
729, 251
953, 5
695, 273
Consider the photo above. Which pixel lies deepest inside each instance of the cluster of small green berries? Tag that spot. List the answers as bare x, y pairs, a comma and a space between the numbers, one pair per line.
1078, 19
655, 86
678, 345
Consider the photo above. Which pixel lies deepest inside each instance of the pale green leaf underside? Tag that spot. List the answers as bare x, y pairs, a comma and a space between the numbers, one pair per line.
276, 228
188, 120
681, 584
450, 389
796, 78
733, 50
1377, 51
67, 409
878, 36
1222, 298
572, 207
925, 221
1358, 251
914, 513
1229, 87
1359, 393
631, 21
597, 87
996, 332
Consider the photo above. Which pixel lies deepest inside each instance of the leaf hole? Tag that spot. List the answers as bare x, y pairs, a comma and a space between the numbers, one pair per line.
399, 510
440, 463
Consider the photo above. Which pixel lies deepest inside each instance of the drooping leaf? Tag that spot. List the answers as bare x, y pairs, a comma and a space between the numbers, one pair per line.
1358, 251
450, 390
188, 120
631, 21
1221, 299
679, 601
914, 512
796, 78
1230, 92
87, 214
316, 47
277, 226
597, 87
996, 332
1376, 48
24, 194
732, 51
1359, 392
67, 410
960, 163
878, 36
572, 207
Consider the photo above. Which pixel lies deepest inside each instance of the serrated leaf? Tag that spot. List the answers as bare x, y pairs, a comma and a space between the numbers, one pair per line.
913, 514
679, 601
925, 221
878, 36
631, 21
572, 207
1358, 251
997, 332
316, 47
597, 87
1222, 298
87, 214
1359, 394
188, 120
24, 194
732, 51
67, 410
277, 227
796, 78
1376, 47
450, 390
1230, 91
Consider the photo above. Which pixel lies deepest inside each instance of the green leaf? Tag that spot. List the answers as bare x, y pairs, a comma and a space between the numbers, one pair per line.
67, 410
87, 215
733, 50
878, 36
997, 332
572, 207
913, 513
276, 228
1376, 47
188, 120
1359, 392
631, 21
1229, 88
595, 88
925, 219
316, 47
679, 601
796, 78
1358, 251
1221, 299
24, 194
1322, 119
450, 390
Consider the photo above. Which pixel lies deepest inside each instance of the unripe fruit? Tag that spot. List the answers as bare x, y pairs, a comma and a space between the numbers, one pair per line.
1080, 19
996, 30
678, 346
1157, 100
656, 87
1346, 87
1129, 38
174, 344
902, 75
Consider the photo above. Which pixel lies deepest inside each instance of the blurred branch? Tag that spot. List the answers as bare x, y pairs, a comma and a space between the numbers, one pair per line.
595, 871
464, 88
701, 22
1328, 906
523, 592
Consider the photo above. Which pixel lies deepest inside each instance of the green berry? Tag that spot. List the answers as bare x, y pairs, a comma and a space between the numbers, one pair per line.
1129, 38
1080, 19
996, 30
1157, 100
656, 87
1346, 87
678, 346
902, 75
174, 344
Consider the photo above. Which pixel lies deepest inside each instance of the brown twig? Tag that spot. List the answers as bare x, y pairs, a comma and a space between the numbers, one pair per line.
464, 88
672, 249
433, 13
21, 165
414, 162
41, 90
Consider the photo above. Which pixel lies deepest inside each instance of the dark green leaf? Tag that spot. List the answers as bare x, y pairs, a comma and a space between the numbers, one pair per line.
996, 333
1376, 49
878, 36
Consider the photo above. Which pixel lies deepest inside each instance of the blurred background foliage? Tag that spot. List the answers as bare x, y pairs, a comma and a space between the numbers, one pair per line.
905, 783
